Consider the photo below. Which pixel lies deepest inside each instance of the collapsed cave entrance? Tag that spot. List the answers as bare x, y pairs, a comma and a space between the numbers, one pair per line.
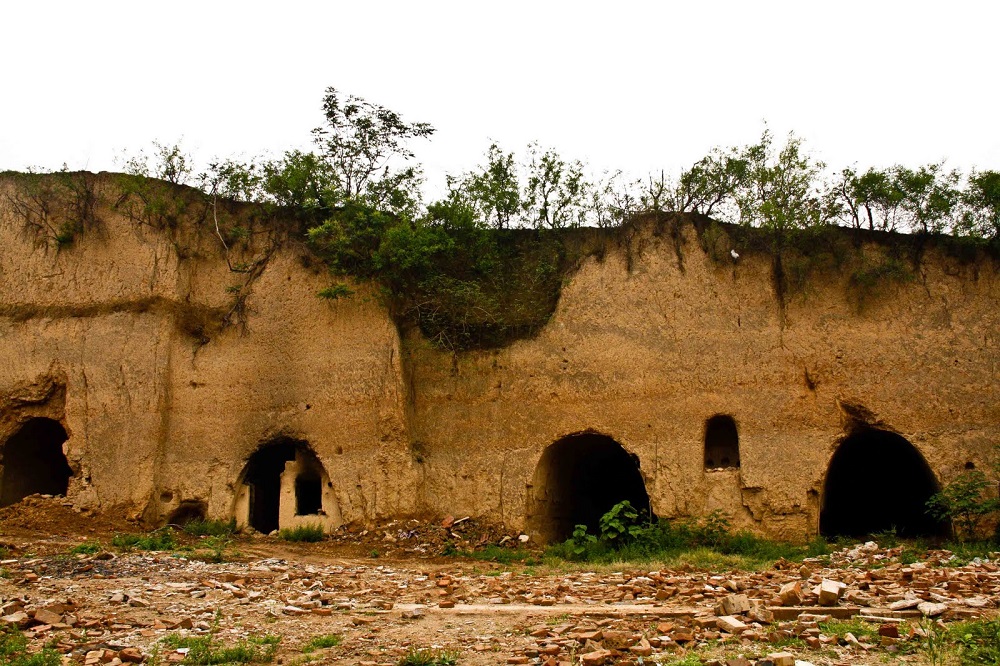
877, 481
577, 480
33, 462
284, 479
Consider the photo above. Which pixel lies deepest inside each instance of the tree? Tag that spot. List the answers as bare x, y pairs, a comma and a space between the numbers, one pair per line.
712, 181
170, 163
872, 199
302, 181
781, 193
981, 205
556, 192
929, 196
360, 139
612, 201
494, 189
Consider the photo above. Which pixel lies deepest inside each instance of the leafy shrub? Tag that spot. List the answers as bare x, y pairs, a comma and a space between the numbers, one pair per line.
621, 523
161, 539
871, 277
307, 533
966, 501
334, 292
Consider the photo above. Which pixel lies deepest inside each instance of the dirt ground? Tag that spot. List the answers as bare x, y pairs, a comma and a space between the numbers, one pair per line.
388, 591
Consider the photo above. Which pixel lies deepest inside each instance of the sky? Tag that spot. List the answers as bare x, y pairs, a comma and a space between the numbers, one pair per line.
636, 86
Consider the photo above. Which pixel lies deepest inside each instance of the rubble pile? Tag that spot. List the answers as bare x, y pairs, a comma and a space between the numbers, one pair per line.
109, 608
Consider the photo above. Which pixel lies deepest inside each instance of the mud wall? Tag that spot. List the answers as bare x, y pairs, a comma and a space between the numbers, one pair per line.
647, 355
647, 343
98, 336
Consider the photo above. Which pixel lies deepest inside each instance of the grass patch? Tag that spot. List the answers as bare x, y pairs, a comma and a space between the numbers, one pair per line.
306, 533
14, 651
860, 629
161, 539
212, 549
204, 650
502, 555
707, 542
86, 548
210, 528
966, 551
976, 642
321, 642
687, 660
428, 658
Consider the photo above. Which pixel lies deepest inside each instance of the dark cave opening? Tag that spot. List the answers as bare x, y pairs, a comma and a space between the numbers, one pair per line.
308, 493
577, 480
188, 511
263, 477
33, 462
877, 481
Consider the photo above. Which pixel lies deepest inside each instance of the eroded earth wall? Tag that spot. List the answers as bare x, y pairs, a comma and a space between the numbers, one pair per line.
647, 355
648, 342
157, 412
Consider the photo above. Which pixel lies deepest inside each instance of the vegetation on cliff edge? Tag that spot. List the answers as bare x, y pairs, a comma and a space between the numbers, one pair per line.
484, 265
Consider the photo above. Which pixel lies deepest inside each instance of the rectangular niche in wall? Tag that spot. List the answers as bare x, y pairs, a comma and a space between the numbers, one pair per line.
722, 443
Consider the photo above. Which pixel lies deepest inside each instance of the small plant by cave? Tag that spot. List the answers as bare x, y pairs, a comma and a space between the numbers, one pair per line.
968, 502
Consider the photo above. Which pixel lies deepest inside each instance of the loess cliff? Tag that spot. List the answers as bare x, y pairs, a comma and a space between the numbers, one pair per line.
158, 367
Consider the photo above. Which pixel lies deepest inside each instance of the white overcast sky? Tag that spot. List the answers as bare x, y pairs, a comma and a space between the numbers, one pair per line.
638, 86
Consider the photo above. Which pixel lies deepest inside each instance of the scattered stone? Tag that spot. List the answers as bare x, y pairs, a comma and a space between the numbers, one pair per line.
734, 604
791, 594
931, 609
781, 659
829, 592
730, 624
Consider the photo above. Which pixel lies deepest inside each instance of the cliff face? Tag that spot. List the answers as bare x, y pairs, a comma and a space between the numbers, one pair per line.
116, 339
159, 415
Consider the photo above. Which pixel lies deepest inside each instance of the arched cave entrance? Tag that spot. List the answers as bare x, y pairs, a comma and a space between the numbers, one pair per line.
188, 511
878, 481
283, 480
722, 442
33, 462
577, 480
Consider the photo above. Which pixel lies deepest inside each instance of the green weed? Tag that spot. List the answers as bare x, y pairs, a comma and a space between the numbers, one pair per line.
428, 658
85, 548
859, 628
210, 528
14, 651
204, 650
976, 642
687, 660
161, 539
212, 548
707, 542
307, 533
321, 642
502, 555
